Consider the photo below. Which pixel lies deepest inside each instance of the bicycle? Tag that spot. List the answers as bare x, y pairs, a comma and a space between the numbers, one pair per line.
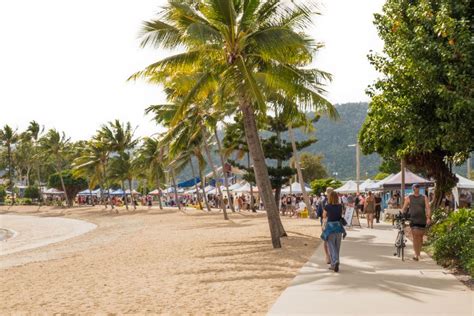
400, 241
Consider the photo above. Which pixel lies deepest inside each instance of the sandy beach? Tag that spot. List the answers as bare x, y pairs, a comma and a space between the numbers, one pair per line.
152, 261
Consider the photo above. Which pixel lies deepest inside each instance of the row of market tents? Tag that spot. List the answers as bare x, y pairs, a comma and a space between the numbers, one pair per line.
393, 182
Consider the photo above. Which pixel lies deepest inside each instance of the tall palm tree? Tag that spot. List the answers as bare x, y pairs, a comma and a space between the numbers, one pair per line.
150, 162
34, 131
119, 139
92, 164
241, 48
54, 145
8, 138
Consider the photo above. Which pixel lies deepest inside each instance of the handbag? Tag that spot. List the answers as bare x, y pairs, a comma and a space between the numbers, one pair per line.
343, 221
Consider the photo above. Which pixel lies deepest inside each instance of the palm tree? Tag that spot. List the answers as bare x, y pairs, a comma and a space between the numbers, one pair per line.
92, 164
150, 162
239, 48
34, 131
194, 131
54, 146
118, 138
9, 137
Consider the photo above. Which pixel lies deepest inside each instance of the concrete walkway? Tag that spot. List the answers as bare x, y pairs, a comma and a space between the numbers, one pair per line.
371, 281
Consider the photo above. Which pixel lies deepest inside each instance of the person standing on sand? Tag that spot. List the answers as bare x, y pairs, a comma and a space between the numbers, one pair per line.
333, 231
369, 206
420, 217
378, 207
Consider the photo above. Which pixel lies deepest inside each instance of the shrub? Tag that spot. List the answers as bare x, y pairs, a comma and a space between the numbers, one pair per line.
25, 201
452, 240
32, 192
319, 186
3, 193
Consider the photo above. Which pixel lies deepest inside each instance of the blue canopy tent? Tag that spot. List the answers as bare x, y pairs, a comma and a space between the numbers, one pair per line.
118, 192
189, 183
220, 180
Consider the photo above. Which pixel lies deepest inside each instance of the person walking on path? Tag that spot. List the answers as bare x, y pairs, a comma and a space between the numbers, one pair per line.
420, 217
369, 206
378, 207
333, 230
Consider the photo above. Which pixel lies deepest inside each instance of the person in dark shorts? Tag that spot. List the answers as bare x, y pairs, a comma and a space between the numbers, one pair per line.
420, 217
378, 207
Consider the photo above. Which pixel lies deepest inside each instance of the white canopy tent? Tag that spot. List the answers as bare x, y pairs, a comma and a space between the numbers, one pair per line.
365, 184
215, 191
464, 183
348, 187
236, 185
378, 186
294, 188
246, 188
53, 191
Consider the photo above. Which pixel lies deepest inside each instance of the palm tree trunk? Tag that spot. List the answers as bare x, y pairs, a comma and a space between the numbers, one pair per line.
126, 199
63, 186
298, 170
261, 171
252, 206
10, 175
203, 185
159, 192
132, 199
214, 173
226, 182
195, 182
39, 185
175, 188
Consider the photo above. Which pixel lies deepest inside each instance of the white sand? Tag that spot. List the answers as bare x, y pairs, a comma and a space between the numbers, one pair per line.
157, 262
33, 231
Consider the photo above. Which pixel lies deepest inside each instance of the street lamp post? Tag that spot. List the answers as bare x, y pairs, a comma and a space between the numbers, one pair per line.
335, 174
356, 145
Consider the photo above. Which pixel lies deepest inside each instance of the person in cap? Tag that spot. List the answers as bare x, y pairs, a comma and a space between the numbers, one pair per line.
420, 217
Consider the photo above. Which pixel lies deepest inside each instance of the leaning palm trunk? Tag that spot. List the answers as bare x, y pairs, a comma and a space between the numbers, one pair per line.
64, 187
214, 173
132, 199
298, 170
10, 175
252, 206
159, 192
261, 172
39, 186
203, 185
195, 183
175, 188
126, 199
226, 182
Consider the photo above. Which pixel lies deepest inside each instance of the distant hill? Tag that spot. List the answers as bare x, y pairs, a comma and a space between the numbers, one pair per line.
334, 138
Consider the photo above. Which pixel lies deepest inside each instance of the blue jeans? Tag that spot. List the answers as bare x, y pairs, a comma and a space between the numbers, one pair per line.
334, 245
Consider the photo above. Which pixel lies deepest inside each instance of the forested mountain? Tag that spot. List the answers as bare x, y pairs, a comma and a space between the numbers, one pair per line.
334, 138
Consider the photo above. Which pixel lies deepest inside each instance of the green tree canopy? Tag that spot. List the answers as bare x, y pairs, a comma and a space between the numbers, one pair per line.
72, 184
422, 109
320, 185
312, 167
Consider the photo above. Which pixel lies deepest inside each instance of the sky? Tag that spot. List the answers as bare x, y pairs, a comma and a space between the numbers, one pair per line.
65, 64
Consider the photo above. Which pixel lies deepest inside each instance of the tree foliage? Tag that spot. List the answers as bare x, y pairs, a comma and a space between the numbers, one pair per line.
72, 184
422, 109
320, 185
312, 167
